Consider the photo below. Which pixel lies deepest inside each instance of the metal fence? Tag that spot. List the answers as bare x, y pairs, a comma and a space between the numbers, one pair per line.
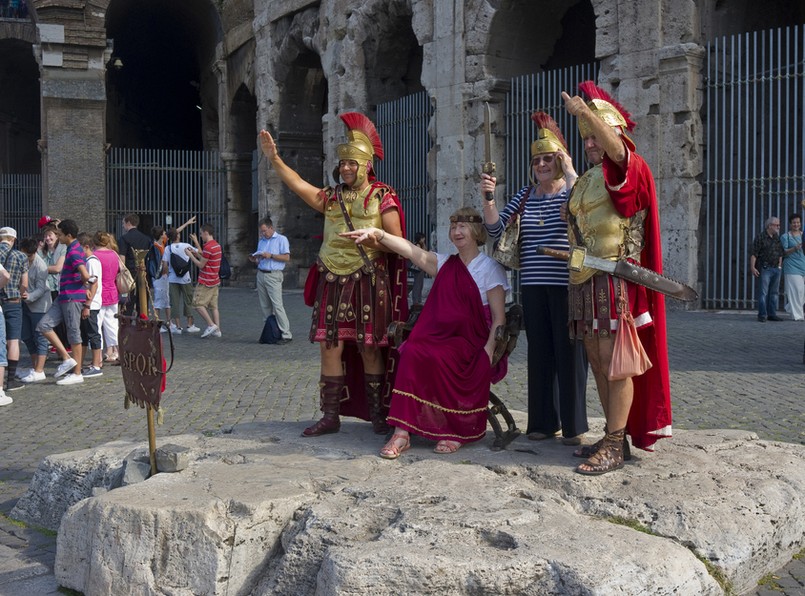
166, 188
21, 202
754, 152
403, 128
540, 91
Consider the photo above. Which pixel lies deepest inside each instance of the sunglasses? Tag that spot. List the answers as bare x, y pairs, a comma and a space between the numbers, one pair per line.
542, 159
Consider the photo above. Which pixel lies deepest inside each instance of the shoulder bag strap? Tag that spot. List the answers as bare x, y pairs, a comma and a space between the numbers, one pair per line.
367, 263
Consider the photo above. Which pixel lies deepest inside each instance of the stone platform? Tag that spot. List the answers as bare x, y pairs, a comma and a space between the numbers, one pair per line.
261, 510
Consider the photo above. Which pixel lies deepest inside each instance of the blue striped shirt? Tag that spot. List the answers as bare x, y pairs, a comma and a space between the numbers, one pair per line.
537, 270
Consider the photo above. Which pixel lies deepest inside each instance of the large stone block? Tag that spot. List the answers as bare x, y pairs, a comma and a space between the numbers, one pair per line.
264, 511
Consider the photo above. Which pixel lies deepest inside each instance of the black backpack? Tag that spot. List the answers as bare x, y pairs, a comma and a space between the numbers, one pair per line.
153, 262
225, 271
271, 331
179, 265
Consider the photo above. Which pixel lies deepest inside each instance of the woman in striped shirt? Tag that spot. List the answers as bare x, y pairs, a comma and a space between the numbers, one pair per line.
557, 366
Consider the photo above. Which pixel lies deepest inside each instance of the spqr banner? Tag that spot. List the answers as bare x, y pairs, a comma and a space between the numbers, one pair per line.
142, 361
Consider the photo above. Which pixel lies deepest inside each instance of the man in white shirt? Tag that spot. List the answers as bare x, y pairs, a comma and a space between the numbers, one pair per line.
180, 287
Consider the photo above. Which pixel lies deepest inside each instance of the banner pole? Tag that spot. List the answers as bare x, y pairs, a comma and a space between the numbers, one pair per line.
142, 296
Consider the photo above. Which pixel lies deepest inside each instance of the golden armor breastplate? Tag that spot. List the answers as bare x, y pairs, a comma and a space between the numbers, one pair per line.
340, 255
605, 232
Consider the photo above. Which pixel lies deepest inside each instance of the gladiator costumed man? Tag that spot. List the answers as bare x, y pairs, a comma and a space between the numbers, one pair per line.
612, 212
356, 291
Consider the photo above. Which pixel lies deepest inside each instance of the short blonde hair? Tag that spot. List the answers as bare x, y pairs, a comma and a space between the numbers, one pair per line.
471, 216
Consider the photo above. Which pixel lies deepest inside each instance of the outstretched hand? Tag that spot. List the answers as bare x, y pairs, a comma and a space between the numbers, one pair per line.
363, 235
267, 144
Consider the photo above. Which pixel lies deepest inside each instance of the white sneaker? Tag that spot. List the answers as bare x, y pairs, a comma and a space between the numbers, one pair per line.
5, 399
71, 379
64, 368
211, 330
34, 377
216, 333
176, 330
163, 329
193, 329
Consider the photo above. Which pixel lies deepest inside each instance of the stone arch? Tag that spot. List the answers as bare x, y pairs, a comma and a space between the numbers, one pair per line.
302, 100
162, 92
21, 30
522, 37
391, 50
243, 120
240, 143
20, 117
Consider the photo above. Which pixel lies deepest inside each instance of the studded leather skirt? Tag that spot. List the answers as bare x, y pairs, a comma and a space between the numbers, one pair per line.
592, 306
354, 307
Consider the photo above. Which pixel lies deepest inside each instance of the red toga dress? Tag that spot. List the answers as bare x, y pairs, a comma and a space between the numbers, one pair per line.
442, 385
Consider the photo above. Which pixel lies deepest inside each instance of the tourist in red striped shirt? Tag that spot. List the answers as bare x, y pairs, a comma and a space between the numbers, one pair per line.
205, 298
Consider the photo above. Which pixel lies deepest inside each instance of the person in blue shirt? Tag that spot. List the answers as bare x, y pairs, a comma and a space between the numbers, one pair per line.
272, 255
794, 267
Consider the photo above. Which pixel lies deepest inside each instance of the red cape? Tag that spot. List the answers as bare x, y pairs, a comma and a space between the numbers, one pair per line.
650, 415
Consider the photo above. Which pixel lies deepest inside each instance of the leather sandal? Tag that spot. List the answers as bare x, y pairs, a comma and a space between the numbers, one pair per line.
444, 446
587, 451
608, 458
393, 449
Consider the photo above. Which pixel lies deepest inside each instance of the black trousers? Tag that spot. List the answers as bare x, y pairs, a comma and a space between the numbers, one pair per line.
557, 365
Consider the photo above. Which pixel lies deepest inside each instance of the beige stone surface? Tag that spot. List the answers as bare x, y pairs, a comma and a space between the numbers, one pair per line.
265, 511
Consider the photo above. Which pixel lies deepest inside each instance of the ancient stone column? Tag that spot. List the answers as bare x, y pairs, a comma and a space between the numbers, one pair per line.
72, 64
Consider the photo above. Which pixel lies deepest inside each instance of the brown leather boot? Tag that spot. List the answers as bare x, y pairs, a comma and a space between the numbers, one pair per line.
374, 397
330, 390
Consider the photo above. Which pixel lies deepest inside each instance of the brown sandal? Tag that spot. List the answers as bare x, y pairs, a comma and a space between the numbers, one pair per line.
608, 458
392, 449
587, 451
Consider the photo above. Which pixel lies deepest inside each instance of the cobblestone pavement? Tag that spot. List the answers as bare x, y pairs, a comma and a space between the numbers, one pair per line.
727, 371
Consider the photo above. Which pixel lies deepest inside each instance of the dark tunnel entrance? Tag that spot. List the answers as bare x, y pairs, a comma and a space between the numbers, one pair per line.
161, 92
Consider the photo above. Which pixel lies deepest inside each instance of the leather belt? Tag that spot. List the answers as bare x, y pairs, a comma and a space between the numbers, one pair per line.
269, 271
9, 300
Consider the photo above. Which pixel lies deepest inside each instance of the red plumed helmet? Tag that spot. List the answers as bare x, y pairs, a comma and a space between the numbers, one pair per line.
606, 108
363, 140
549, 138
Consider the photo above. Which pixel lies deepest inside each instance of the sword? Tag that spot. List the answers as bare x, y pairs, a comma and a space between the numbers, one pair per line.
489, 165
578, 258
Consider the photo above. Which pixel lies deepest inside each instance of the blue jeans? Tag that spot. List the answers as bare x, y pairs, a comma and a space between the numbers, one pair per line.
768, 292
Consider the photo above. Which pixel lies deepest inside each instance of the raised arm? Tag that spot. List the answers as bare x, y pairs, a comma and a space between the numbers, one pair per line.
189, 222
425, 260
605, 135
306, 191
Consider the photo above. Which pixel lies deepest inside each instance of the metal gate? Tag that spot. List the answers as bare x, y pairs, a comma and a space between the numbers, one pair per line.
540, 91
21, 202
754, 152
403, 128
166, 188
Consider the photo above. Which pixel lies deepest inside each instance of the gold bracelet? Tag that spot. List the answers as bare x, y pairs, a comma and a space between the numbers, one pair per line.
383, 236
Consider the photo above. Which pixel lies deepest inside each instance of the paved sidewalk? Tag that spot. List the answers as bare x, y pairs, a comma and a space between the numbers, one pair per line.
727, 371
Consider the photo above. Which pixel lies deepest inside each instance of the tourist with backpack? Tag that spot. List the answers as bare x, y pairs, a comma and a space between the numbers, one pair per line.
207, 258
176, 264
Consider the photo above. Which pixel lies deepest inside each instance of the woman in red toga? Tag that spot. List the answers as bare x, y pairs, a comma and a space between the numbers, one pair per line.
442, 385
